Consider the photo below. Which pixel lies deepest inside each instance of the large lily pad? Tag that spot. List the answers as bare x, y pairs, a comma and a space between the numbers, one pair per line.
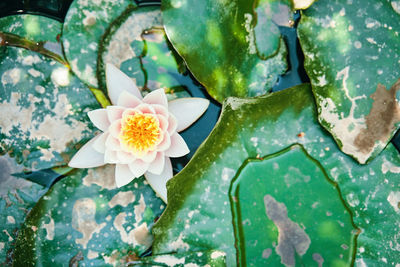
233, 48
352, 57
71, 222
17, 197
199, 214
43, 109
85, 23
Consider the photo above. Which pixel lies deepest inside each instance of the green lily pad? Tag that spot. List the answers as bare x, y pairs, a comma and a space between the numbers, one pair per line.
204, 258
231, 47
43, 109
32, 27
85, 23
352, 57
72, 221
136, 43
270, 198
17, 197
199, 212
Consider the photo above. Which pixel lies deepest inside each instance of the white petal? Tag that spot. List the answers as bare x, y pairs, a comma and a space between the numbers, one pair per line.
146, 109
138, 167
157, 166
123, 175
163, 122
125, 157
159, 182
172, 124
115, 128
99, 118
149, 156
165, 143
187, 110
112, 143
87, 157
161, 110
178, 147
114, 113
117, 82
128, 100
156, 97
100, 144
110, 156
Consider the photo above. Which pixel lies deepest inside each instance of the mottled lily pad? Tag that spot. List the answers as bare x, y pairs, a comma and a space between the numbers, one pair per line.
85, 219
85, 23
233, 48
32, 27
352, 53
17, 197
293, 203
43, 109
199, 214
136, 43
204, 258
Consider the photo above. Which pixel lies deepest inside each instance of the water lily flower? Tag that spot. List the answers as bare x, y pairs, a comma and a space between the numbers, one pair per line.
139, 134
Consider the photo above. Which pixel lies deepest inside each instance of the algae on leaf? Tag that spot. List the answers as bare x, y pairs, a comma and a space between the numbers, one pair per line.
352, 58
233, 48
199, 212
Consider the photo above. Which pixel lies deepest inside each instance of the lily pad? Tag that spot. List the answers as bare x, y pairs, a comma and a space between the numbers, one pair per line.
72, 220
17, 197
42, 106
85, 23
199, 212
204, 258
136, 43
32, 27
352, 53
233, 48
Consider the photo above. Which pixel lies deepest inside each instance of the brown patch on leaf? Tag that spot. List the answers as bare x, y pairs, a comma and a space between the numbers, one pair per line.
74, 261
381, 120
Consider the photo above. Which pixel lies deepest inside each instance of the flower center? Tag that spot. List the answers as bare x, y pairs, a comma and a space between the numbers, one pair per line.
140, 133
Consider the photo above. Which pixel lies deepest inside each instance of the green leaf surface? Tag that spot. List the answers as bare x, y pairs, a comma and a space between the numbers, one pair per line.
204, 258
199, 212
32, 27
233, 48
43, 109
86, 219
17, 197
85, 23
352, 58
136, 43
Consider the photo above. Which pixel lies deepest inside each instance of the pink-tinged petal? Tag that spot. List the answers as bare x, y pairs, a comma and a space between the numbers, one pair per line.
172, 124
125, 157
157, 166
165, 143
161, 110
115, 128
146, 109
112, 143
99, 118
156, 97
138, 167
163, 122
178, 147
117, 82
87, 157
128, 100
149, 156
130, 111
100, 143
123, 175
159, 182
187, 110
114, 113
110, 156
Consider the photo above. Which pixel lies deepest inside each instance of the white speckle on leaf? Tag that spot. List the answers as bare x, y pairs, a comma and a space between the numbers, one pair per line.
122, 198
10, 219
217, 254
169, 260
60, 77
388, 166
394, 200
92, 254
49, 229
179, 244
11, 76
103, 177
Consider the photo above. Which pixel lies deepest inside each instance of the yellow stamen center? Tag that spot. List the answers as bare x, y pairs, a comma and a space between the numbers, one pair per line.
140, 133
